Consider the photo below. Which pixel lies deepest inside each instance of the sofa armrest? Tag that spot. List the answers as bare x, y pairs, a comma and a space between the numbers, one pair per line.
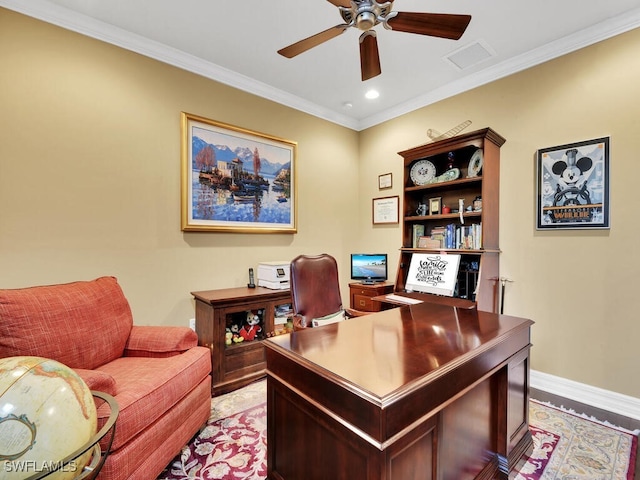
157, 341
98, 380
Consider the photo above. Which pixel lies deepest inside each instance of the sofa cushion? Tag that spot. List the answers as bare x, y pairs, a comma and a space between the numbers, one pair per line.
69, 322
149, 387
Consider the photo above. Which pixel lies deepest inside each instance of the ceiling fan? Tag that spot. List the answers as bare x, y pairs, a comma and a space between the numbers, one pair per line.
366, 14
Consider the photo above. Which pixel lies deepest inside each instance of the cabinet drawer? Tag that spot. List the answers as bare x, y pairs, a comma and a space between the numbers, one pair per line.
245, 356
364, 302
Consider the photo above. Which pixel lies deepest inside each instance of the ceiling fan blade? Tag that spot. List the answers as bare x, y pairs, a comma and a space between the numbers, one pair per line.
312, 41
341, 3
442, 25
369, 57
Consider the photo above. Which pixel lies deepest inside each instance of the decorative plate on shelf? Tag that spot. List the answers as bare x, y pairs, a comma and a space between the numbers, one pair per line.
422, 172
475, 164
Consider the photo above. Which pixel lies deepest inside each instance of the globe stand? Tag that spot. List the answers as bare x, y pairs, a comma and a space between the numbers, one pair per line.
98, 457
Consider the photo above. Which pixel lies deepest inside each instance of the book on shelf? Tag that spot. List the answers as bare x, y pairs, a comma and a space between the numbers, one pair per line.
428, 242
462, 237
433, 273
418, 231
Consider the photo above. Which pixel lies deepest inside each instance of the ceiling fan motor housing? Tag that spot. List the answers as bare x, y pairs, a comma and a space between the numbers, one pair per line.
365, 14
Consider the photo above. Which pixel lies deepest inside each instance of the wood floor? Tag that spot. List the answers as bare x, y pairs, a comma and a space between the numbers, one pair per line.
581, 408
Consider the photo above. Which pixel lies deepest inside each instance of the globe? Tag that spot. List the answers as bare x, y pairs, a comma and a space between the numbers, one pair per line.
47, 412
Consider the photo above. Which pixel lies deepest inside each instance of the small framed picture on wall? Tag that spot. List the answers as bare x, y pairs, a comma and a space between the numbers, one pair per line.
385, 181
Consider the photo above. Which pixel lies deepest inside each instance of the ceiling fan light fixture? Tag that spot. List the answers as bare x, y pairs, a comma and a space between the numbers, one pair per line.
366, 20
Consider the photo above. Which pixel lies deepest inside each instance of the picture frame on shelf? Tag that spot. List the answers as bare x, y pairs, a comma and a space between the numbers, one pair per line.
573, 186
386, 210
435, 206
236, 180
385, 181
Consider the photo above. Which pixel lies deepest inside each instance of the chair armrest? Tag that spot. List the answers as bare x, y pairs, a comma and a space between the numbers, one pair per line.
157, 341
350, 312
300, 322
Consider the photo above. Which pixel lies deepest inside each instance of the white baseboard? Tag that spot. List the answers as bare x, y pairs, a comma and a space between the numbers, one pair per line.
580, 392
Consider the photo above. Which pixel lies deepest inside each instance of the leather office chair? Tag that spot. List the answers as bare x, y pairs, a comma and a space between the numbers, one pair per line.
315, 290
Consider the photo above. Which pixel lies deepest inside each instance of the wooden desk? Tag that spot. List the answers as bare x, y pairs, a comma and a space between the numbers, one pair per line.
424, 391
387, 302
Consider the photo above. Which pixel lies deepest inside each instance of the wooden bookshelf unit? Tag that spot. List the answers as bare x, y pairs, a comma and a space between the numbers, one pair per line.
472, 233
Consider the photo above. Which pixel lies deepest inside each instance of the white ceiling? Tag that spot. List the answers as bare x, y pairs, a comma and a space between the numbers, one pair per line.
235, 42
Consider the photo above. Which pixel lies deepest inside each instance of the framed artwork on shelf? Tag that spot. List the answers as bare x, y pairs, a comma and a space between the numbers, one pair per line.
573, 186
435, 206
385, 181
236, 180
386, 210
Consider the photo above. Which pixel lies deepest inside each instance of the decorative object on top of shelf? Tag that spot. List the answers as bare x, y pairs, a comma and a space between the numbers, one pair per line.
448, 176
477, 204
421, 210
475, 164
386, 210
422, 172
236, 180
451, 163
435, 136
573, 186
435, 205
385, 181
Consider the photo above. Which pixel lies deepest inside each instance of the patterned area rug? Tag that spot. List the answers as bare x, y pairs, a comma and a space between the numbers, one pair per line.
566, 446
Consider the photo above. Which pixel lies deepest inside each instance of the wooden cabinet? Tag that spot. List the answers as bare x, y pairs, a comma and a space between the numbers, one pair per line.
361, 295
473, 233
237, 364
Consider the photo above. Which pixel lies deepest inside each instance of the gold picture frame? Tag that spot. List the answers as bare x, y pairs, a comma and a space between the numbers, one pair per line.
435, 206
386, 210
235, 180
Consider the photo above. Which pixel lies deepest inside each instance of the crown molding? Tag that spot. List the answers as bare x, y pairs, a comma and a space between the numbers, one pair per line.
62, 17
584, 38
90, 27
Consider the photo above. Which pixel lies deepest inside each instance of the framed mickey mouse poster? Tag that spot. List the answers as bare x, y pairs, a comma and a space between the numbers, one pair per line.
573, 186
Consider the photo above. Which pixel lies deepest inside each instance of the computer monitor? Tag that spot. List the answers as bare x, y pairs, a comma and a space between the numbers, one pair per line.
369, 267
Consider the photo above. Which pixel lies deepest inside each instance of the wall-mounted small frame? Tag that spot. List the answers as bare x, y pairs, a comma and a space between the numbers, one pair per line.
385, 181
386, 210
573, 186
435, 206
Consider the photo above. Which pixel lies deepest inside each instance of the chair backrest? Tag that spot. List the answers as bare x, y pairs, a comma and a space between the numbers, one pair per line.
315, 289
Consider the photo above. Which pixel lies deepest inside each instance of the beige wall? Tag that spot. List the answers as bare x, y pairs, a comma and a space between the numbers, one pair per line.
89, 185
90, 173
577, 286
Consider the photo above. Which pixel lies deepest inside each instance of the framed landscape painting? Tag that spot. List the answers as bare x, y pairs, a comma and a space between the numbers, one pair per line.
236, 180
573, 186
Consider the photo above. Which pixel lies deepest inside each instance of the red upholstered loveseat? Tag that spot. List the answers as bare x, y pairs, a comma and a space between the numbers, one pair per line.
158, 375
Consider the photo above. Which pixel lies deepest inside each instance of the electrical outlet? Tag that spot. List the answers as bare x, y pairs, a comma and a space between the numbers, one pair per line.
192, 324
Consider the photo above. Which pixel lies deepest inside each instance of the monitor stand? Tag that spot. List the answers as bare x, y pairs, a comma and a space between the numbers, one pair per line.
368, 282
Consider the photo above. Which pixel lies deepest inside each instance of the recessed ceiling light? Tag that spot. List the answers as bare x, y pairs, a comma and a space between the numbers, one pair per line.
371, 94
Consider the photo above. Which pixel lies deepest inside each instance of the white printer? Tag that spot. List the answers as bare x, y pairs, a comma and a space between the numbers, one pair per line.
274, 275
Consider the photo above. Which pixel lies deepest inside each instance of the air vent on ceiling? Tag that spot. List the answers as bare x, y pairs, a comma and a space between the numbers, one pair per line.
470, 55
